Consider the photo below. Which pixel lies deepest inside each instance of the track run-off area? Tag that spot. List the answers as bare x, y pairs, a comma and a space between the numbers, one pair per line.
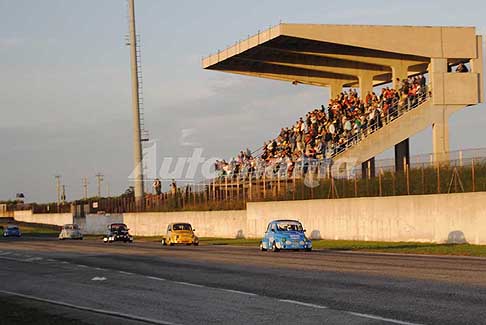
144, 282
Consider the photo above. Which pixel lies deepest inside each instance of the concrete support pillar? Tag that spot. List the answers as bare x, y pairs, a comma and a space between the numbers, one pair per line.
399, 71
440, 136
368, 168
402, 155
440, 127
477, 67
437, 70
365, 84
335, 89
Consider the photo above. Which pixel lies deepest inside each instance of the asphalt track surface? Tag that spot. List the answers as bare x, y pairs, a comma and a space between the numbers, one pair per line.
145, 283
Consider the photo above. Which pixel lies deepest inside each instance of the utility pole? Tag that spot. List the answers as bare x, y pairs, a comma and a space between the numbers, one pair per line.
63, 194
137, 130
85, 187
58, 189
99, 179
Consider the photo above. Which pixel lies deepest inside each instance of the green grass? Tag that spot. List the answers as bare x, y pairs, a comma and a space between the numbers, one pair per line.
34, 229
403, 247
226, 241
372, 246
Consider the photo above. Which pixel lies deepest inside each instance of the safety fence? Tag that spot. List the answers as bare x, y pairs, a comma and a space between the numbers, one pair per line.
310, 182
312, 179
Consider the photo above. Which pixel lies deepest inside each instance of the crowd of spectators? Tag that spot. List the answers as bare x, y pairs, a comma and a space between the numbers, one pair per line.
326, 131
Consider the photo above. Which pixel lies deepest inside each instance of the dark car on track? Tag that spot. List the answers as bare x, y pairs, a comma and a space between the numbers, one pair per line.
117, 232
12, 231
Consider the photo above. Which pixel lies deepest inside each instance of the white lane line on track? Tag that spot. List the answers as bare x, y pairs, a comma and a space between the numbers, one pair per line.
51, 260
126, 273
33, 259
100, 269
94, 310
155, 278
81, 265
300, 303
239, 292
64, 262
389, 320
190, 284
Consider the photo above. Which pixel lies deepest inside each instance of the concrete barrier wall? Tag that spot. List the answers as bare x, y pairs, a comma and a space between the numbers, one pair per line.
423, 218
96, 224
57, 219
228, 224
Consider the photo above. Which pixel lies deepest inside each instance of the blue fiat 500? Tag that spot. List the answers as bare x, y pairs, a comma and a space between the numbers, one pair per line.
12, 231
285, 234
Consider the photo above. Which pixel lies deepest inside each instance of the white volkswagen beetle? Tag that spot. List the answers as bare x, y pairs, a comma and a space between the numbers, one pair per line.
70, 231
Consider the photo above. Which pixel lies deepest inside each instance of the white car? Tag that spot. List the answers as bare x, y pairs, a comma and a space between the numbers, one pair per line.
70, 231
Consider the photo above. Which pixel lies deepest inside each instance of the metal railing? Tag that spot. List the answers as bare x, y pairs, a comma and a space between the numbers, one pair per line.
395, 111
314, 180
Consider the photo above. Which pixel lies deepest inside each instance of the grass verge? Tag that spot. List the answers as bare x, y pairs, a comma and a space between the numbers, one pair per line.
370, 246
34, 229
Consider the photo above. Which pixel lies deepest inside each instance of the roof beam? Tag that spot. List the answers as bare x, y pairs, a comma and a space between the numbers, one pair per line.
341, 55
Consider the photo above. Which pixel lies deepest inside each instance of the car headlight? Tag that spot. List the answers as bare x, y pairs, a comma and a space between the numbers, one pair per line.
288, 242
302, 242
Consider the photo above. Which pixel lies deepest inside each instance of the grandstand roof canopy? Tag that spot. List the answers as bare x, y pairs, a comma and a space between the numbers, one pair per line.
322, 55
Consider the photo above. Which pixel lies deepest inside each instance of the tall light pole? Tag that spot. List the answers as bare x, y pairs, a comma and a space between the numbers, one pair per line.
58, 189
137, 132
99, 179
85, 187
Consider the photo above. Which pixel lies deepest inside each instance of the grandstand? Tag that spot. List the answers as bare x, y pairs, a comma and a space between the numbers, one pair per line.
423, 73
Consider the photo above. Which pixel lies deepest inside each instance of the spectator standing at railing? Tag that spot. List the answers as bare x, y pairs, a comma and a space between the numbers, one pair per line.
157, 186
461, 68
322, 131
173, 187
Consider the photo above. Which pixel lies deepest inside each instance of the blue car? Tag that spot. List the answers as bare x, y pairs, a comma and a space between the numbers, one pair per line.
12, 231
285, 234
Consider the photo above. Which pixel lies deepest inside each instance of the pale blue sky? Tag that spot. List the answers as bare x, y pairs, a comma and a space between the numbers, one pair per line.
64, 75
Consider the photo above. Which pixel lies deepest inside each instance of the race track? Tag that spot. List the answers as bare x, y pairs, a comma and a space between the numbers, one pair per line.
144, 283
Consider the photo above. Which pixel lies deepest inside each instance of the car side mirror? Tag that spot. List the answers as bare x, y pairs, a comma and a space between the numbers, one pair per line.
193, 229
305, 230
272, 230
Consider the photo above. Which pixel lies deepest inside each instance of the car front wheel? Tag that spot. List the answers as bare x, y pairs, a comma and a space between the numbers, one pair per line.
275, 248
263, 249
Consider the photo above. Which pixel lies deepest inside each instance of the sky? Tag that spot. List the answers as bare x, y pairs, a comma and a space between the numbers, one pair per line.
65, 79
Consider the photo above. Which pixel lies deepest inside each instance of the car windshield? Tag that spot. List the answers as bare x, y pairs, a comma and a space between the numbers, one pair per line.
13, 228
117, 227
181, 226
70, 227
289, 226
